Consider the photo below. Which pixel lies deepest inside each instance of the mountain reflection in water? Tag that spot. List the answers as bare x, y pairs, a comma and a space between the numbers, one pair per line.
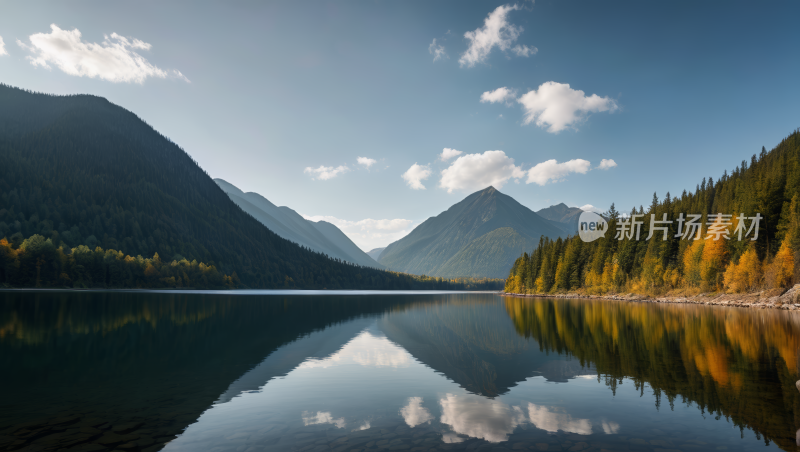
142, 371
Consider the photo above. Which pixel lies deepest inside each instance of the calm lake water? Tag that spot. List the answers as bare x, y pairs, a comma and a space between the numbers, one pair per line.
420, 372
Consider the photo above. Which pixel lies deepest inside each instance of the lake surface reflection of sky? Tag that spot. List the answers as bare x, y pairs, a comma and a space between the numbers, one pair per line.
412, 372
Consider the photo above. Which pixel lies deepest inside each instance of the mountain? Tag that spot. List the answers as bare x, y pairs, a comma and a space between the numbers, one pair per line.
375, 253
480, 236
320, 236
565, 217
80, 170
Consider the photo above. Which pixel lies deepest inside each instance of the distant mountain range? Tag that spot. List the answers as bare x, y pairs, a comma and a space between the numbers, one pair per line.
319, 236
79, 170
375, 253
565, 217
480, 236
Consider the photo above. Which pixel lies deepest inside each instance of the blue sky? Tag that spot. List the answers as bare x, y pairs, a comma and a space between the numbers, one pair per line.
263, 94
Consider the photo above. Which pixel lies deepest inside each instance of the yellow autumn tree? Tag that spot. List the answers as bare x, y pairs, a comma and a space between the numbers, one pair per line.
652, 271
692, 260
539, 284
715, 256
746, 275
780, 272
561, 270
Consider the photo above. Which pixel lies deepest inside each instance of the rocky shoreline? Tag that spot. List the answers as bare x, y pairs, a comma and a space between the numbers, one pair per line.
788, 300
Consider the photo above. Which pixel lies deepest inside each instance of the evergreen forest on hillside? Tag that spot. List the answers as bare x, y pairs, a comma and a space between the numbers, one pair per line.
768, 184
79, 170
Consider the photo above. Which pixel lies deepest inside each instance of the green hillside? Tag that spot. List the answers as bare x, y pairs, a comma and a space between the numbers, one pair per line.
79, 170
455, 243
490, 255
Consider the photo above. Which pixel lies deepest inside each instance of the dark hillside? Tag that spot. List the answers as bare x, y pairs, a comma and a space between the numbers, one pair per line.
80, 170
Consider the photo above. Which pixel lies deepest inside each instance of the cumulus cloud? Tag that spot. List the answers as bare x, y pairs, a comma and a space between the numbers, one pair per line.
607, 164
552, 170
415, 175
478, 417
495, 32
524, 51
368, 234
556, 106
499, 95
3, 50
326, 172
322, 417
477, 171
448, 153
414, 413
551, 421
115, 59
366, 162
437, 50
590, 208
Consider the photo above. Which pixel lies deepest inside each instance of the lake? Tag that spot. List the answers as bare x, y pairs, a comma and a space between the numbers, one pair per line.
294, 371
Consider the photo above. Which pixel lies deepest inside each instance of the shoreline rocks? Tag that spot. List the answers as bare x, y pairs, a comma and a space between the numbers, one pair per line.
768, 299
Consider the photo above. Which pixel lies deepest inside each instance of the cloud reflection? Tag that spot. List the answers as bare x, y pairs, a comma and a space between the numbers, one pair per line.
414, 413
610, 427
479, 417
552, 421
493, 420
322, 417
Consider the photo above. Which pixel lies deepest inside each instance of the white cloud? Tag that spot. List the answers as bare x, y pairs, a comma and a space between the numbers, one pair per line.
415, 175
552, 170
496, 32
477, 171
414, 413
437, 50
368, 234
448, 153
557, 106
607, 164
322, 417
478, 417
179, 75
524, 51
326, 172
551, 421
366, 161
114, 60
364, 426
3, 50
590, 208
499, 95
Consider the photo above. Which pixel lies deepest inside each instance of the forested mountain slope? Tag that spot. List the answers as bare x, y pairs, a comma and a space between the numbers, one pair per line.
80, 170
767, 186
319, 236
465, 239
